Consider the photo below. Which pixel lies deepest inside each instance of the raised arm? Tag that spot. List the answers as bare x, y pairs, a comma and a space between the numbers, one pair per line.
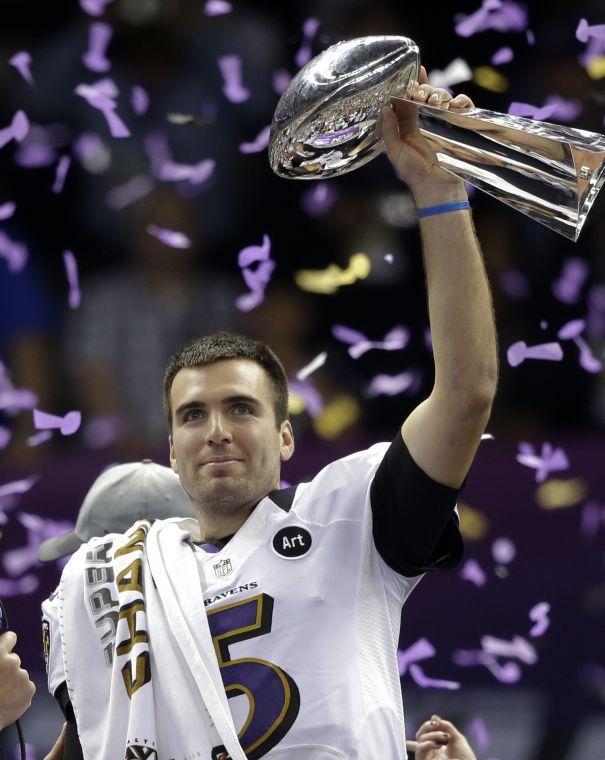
443, 432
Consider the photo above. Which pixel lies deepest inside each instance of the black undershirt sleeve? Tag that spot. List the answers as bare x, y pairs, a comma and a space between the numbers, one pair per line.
72, 749
414, 525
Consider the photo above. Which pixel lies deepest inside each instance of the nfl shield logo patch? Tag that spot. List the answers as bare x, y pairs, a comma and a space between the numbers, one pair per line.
222, 568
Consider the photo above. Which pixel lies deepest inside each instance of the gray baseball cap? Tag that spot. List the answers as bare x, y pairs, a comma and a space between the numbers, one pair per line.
118, 498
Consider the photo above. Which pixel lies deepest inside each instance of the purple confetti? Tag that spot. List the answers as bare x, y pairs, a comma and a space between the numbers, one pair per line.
256, 279
595, 319
231, 69
347, 334
254, 253
39, 438
22, 61
435, 683
94, 7
515, 284
18, 129
319, 199
395, 340
530, 37
26, 585
532, 112
479, 733
508, 673
101, 96
39, 529
5, 436
281, 80
472, 571
17, 399
419, 650
517, 648
260, 142
593, 517
588, 361
104, 430
196, 174
565, 110
92, 152
567, 288
136, 188
15, 253
303, 55
572, 329
501, 56
217, 7
7, 210
62, 169
16, 488
584, 31
98, 40
310, 395
503, 551
550, 460
506, 16
554, 106
392, 385
158, 151
539, 615
520, 351
71, 269
172, 238
67, 424
139, 100
389, 258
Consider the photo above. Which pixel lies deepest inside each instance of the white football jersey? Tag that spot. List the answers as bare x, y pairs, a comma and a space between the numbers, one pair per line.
305, 618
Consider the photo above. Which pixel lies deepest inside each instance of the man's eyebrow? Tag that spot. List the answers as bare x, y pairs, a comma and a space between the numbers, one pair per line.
235, 399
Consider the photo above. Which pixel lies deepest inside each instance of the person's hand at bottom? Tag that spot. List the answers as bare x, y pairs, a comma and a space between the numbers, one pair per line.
438, 739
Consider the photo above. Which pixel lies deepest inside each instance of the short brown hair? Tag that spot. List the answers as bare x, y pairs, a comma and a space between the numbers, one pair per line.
225, 345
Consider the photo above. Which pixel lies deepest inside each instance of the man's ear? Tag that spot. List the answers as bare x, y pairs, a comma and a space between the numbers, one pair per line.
173, 463
286, 448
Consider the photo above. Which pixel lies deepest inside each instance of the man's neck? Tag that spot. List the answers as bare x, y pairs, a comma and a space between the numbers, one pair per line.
214, 526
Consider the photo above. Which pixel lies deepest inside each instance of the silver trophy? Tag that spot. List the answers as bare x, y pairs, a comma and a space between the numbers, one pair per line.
325, 125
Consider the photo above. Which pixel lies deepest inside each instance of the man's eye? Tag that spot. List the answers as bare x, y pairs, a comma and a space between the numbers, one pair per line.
192, 414
242, 409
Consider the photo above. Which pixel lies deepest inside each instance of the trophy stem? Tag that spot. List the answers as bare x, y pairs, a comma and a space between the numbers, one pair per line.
548, 172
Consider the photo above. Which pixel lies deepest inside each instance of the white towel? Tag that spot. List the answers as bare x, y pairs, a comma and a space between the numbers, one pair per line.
139, 660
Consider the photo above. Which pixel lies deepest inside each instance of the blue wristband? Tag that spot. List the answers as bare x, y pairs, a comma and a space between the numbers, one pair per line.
443, 208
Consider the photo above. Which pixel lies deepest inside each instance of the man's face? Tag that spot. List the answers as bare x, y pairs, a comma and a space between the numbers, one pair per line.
224, 444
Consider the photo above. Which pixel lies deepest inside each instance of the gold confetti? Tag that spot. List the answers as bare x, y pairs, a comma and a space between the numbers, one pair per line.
337, 416
596, 67
296, 403
490, 79
329, 280
560, 494
473, 524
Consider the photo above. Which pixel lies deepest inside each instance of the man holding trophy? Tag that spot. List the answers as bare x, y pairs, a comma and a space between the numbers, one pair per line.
269, 627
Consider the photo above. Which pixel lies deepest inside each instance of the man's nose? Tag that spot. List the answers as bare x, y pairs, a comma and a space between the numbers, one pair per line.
219, 431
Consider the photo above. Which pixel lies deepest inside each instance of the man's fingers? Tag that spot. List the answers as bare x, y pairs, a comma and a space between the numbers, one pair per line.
8, 641
439, 737
461, 101
390, 130
423, 77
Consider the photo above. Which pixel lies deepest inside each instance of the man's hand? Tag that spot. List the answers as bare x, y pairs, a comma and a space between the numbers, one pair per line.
411, 154
16, 690
56, 752
438, 739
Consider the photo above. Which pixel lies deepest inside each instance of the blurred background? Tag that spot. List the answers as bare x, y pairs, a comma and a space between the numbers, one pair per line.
123, 210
